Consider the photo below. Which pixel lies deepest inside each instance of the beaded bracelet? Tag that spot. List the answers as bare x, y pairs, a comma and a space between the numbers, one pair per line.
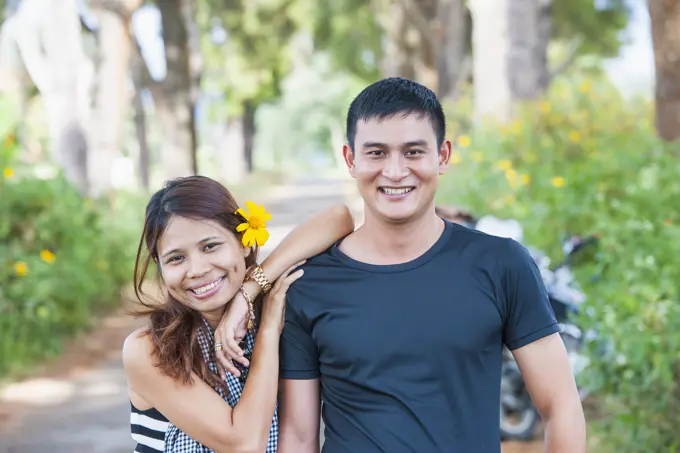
251, 310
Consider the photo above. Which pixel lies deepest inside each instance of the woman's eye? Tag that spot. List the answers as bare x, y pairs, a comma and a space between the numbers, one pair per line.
211, 246
174, 259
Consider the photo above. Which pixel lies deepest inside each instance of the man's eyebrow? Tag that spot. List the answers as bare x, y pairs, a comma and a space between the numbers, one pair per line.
404, 145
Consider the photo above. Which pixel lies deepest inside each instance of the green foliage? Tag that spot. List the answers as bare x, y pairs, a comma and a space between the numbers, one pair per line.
62, 261
350, 32
586, 161
254, 56
598, 28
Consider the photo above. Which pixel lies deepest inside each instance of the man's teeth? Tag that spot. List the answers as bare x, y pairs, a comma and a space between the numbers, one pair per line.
390, 191
207, 287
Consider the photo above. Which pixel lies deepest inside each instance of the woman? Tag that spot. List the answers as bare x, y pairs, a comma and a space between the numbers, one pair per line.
204, 250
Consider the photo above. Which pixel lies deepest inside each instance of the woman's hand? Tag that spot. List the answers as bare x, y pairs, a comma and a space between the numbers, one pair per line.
274, 305
230, 331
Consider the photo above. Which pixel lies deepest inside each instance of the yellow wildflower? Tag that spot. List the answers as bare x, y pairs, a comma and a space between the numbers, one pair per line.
509, 199
575, 136
505, 164
525, 179
47, 256
255, 227
8, 172
584, 87
477, 156
455, 158
21, 268
559, 181
516, 127
511, 176
545, 107
464, 141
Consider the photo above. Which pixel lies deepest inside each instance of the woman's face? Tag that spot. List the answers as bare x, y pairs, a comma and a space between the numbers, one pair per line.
201, 262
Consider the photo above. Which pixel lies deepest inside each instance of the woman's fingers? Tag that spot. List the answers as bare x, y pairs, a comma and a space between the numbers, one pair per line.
223, 363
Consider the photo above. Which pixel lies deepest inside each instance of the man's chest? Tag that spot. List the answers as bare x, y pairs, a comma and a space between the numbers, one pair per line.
377, 322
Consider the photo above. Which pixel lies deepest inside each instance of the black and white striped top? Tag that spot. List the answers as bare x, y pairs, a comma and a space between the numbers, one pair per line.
148, 430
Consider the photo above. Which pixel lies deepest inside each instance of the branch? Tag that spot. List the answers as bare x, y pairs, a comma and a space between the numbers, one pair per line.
568, 60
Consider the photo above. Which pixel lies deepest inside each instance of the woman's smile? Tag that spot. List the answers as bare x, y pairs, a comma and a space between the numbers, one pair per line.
204, 291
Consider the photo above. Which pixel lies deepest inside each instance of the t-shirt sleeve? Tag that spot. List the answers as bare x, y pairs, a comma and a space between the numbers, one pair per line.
299, 357
528, 313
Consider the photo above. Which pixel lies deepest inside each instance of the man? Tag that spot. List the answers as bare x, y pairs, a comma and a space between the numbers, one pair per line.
400, 326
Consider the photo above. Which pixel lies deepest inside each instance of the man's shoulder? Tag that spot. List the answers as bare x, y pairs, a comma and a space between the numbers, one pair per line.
479, 245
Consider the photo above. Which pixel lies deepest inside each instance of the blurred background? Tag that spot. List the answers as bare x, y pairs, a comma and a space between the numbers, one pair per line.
565, 119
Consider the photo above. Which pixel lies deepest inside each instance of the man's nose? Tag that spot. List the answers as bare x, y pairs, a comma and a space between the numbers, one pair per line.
396, 168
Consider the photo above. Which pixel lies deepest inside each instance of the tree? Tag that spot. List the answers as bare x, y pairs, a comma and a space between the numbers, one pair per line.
175, 96
247, 50
48, 37
665, 19
111, 99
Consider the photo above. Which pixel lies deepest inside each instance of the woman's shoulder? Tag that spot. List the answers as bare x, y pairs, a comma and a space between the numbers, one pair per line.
137, 352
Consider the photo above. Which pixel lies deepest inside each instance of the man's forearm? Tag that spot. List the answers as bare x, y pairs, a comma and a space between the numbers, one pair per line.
566, 431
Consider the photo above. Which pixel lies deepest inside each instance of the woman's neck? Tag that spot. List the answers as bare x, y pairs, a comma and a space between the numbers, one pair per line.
214, 317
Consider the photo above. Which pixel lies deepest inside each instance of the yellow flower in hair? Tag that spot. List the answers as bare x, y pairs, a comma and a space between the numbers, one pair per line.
255, 227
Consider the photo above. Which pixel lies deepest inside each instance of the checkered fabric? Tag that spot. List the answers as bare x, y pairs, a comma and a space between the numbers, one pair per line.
178, 442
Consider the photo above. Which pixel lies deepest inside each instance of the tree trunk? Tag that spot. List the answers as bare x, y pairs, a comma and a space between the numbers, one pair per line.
112, 99
453, 34
174, 102
665, 19
490, 51
65, 81
397, 60
233, 165
248, 134
529, 24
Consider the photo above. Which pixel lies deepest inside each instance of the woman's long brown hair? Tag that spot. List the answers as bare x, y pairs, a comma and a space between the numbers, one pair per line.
173, 327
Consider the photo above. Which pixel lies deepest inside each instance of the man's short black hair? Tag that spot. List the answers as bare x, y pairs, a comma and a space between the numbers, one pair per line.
392, 96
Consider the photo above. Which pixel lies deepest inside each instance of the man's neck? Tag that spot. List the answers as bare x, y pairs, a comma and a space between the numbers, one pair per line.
380, 242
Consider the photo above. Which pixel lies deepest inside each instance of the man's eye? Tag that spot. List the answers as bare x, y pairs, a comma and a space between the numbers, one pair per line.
414, 152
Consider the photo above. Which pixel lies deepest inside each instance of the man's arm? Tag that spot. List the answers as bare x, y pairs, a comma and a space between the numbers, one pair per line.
299, 416
548, 376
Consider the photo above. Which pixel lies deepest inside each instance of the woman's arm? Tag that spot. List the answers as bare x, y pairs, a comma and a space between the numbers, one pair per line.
197, 409
314, 236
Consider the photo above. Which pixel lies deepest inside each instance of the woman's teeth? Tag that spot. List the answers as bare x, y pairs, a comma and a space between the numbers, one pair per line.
390, 191
206, 288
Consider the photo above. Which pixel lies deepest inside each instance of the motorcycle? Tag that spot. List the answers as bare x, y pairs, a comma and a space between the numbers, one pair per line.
518, 415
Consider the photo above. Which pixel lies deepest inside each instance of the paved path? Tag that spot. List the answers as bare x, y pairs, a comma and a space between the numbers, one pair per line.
81, 404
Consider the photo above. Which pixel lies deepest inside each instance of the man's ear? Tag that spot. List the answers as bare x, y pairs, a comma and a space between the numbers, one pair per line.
444, 156
348, 154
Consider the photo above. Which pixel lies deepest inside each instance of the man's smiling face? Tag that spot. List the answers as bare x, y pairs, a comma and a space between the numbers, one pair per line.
397, 162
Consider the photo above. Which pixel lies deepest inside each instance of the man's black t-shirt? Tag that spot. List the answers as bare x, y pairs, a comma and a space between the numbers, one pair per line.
409, 355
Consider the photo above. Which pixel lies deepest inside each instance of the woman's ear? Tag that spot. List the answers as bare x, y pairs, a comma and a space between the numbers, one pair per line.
247, 251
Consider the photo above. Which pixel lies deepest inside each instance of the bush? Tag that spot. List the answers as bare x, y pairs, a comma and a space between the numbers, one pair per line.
582, 161
62, 261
